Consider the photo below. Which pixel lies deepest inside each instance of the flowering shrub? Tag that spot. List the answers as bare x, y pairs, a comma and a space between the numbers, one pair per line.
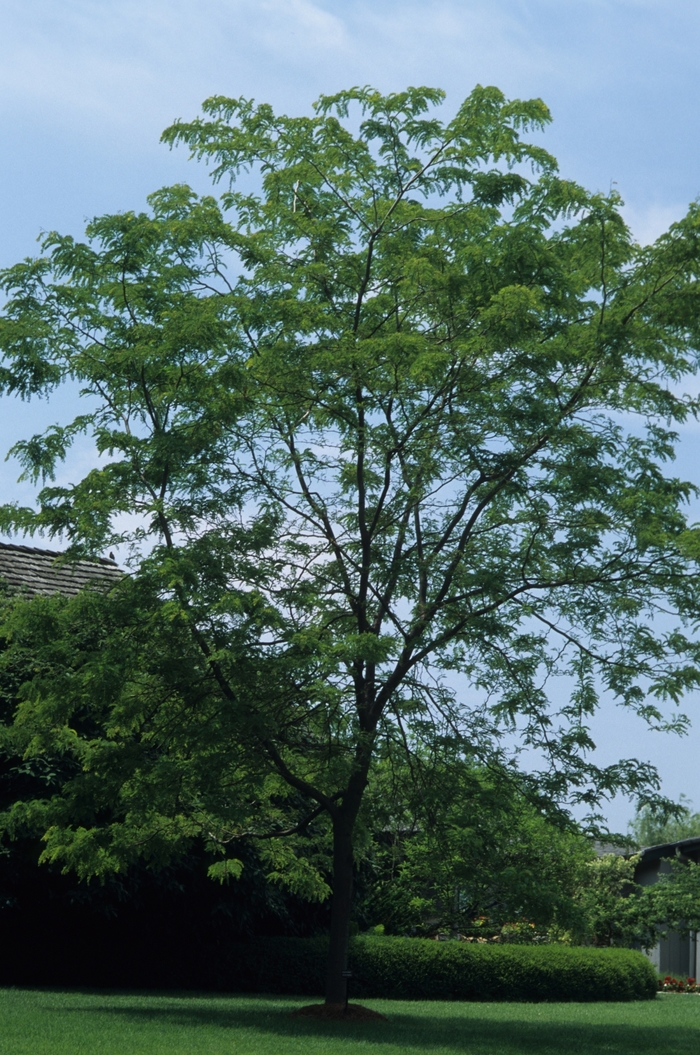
522, 932
519, 933
669, 984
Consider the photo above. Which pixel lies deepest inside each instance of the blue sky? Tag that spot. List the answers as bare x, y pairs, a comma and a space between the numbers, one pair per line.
86, 87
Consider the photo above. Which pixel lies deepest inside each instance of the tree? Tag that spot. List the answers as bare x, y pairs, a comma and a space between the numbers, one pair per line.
651, 828
479, 861
387, 426
619, 911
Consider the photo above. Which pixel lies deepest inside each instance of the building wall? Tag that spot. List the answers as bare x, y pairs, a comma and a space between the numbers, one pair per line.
676, 955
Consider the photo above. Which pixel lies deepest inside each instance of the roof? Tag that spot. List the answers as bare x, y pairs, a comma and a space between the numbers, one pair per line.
31, 571
604, 849
683, 847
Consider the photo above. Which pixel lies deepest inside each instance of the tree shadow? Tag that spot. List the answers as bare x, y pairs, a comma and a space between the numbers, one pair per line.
449, 1032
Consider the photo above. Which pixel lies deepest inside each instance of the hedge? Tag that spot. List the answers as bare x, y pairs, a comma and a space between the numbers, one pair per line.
417, 969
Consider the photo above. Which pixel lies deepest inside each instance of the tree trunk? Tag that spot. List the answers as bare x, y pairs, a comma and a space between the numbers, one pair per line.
341, 905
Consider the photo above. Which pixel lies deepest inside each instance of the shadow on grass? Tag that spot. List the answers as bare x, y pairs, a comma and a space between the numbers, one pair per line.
449, 1032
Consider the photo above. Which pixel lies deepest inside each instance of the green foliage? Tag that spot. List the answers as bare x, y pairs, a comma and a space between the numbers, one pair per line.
416, 969
676, 898
618, 911
651, 828
126, 752
479, 863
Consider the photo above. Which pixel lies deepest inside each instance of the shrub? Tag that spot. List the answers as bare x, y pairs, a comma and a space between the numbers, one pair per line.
416, 969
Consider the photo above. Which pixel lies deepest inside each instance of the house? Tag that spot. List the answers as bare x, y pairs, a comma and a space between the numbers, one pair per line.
673, 955
30, 571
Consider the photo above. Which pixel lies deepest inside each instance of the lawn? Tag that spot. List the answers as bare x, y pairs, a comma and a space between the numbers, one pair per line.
53, 1022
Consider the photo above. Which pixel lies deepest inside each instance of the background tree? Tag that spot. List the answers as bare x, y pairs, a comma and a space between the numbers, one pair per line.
650, 828
479, 860
391, 431
616, 910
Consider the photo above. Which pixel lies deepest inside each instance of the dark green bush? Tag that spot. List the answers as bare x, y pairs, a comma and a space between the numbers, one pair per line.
416, 969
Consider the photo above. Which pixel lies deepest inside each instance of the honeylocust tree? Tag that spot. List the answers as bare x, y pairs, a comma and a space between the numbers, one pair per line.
388, 423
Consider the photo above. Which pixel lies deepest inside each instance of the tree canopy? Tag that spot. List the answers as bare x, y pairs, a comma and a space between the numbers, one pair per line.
387, 427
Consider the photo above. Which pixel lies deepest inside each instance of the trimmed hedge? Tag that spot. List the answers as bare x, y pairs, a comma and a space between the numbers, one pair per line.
417, 969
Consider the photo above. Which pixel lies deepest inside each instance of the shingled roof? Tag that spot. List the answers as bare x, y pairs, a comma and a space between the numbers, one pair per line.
32, 571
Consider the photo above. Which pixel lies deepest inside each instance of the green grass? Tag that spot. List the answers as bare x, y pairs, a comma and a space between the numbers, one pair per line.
52, 1022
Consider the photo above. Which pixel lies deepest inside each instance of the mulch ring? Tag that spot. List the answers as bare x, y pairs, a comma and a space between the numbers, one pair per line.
339, 1013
